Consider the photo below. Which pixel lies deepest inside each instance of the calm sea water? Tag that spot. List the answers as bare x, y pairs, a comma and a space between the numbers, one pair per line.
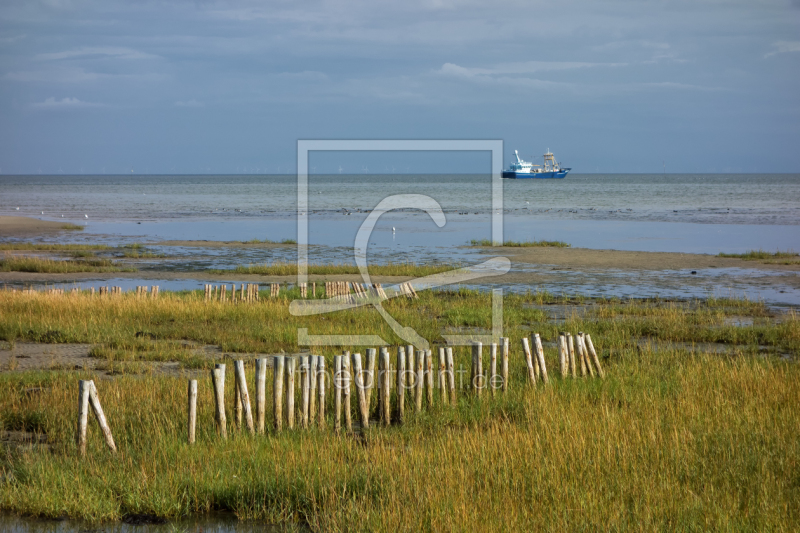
705, 213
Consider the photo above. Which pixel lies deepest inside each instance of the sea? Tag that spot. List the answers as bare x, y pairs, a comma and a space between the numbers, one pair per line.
690, 213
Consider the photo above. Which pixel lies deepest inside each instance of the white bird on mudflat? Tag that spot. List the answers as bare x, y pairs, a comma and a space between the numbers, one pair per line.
85, 216
392, 229
18, 209
43, 212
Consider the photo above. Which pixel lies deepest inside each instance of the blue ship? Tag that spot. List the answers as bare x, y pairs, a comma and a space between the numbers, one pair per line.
523, 169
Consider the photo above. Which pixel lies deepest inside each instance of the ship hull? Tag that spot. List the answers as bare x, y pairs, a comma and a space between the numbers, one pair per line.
561, 174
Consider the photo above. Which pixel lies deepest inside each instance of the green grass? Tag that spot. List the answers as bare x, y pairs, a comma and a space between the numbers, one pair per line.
50, 266
389, 269
520, 244
778, 257
674, 439
74, 227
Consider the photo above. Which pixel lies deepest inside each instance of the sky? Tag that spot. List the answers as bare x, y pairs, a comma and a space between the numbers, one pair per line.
639, 86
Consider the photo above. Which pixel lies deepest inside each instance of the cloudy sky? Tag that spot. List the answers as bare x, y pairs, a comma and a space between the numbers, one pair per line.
205, 86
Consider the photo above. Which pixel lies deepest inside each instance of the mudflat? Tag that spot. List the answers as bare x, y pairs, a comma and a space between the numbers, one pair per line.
11, 226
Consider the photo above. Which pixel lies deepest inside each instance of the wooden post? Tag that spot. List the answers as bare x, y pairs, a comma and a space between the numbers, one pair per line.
337, 392
504, 341
595, 359
571, 352
386, 388
321, 390
83, 414
192, 409
358, 375
451, 375
278, 362
219, 397
540, 357
420, 361
429, 376
528, 360
477, 367
290, 366
237, 397
401, 383
492, 367
562, 355
261, 394
244, 397
312, 368
370, 373
442, 375
585, 363
412, 369
94, 401
580, 357
305, 369
346, 380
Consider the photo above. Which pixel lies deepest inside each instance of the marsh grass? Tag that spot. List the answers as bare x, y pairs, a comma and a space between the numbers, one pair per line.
673, 439
269, 241
388, 269
52, 266
777, 257
72, 227
520, 244
49, 247
670, 441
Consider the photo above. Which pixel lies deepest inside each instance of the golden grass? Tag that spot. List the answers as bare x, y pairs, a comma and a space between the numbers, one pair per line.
672, 439
51, 266
669, 441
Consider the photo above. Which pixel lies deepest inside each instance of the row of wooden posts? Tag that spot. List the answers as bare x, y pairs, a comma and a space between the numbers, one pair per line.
102, 291
247, 292
142, 291
414, 375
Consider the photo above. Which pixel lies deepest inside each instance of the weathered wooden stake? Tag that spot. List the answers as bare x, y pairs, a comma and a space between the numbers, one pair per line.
571, 352
237, 398
442, 375
192, 409
305, 369
595, 359
386, 402
83, 414
321, 390
412, 369
312, 409
358, 375
420, 383
492, 367
261, 394
528, 360
504, 342
219, 397
370, 383
562, 355
94, 401
584, 354
429, 376
346, 380
290, 366
401, 384
337, 392
244, 397
278, 362
451, 375
540, 357
478, 382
